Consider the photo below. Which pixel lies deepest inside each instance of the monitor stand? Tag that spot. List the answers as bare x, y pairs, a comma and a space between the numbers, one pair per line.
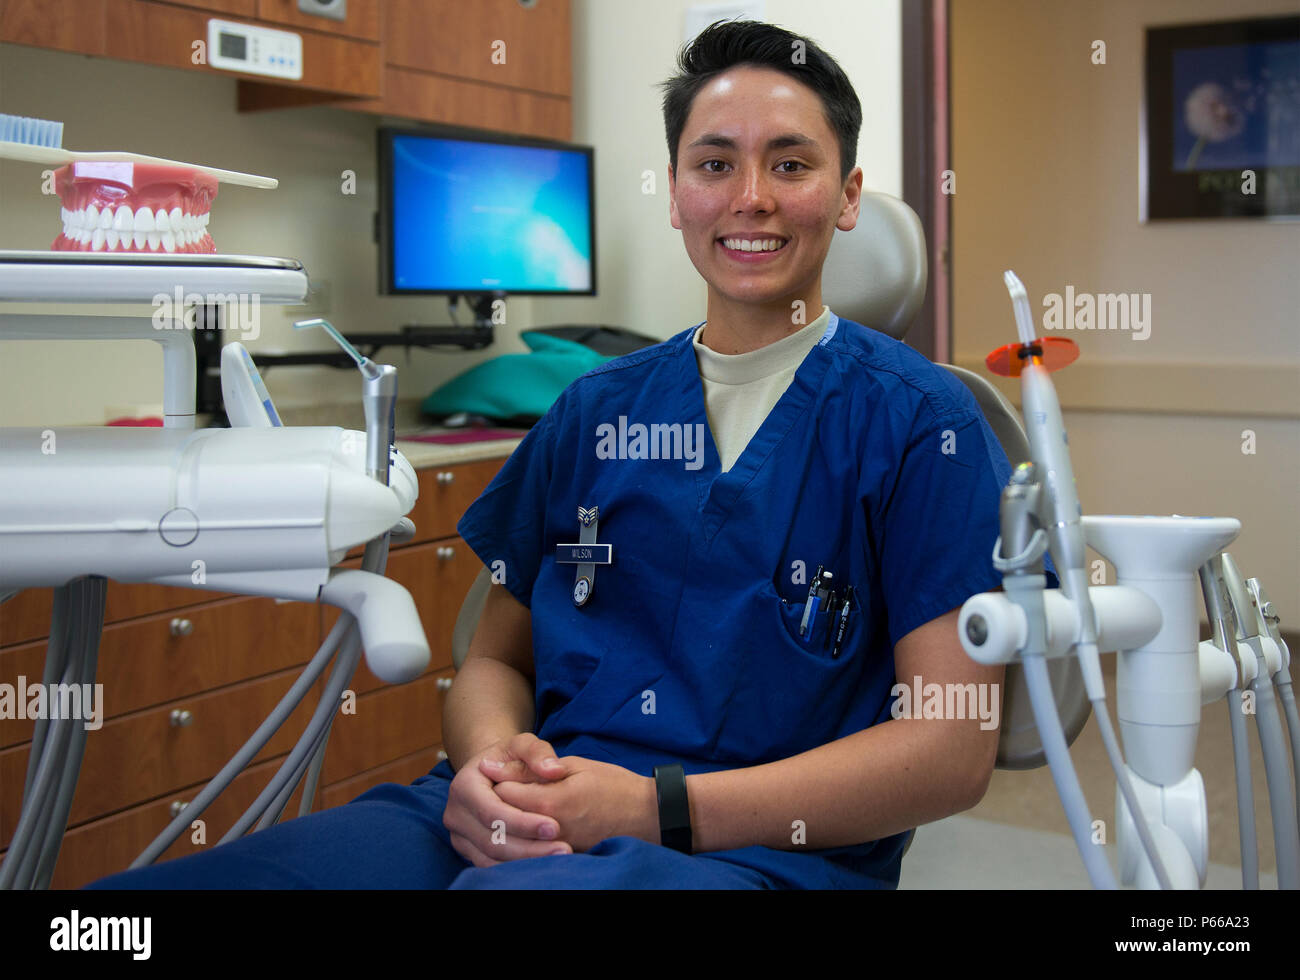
469, 337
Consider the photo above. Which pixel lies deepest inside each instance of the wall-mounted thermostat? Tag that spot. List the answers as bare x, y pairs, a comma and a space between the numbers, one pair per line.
254, 49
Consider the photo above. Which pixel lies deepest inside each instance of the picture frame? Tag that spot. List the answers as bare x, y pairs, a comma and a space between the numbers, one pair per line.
1221, 121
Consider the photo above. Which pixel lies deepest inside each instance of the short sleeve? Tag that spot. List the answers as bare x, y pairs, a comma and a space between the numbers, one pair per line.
506, 525
938, 525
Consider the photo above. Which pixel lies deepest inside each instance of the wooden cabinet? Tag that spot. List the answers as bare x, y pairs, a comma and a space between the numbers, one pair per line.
497, 65
225, 661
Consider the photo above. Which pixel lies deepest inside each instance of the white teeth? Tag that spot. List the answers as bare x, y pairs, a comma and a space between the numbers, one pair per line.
97, 239
92, 217
122, 219
757, 245
106, 219
168, 241
140, 238
154, 241
144, 220
110, 237
161, 222
176, 219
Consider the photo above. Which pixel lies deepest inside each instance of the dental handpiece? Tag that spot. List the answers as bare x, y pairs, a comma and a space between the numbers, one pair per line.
379, 396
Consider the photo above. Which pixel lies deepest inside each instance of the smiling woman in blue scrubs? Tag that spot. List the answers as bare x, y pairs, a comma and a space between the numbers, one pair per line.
661, 532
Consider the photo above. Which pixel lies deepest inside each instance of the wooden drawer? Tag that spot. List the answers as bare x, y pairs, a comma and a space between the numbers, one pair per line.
146, 662
446, 493
27, 615
110, 844
143, 756
404, 771
388, 723
458, 39
441, 99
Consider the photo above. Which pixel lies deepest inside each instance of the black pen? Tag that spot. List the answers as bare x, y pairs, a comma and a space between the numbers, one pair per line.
844, 622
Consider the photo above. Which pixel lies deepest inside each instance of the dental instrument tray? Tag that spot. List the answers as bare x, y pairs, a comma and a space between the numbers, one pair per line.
136, 277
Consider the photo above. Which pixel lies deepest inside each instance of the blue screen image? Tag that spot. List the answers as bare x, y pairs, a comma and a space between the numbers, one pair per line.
480, 217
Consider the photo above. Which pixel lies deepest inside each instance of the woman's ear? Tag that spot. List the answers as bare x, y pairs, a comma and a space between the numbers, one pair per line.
852, 201
673, 216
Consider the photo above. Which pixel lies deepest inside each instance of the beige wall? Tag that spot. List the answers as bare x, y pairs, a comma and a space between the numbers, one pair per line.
1045, 150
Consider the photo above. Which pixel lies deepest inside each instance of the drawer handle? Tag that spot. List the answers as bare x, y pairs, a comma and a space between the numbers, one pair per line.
177, 806
446, 552
181, 627
444, 683
181, 718
445, 477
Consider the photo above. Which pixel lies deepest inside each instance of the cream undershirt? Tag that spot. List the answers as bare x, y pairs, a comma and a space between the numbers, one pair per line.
741, 389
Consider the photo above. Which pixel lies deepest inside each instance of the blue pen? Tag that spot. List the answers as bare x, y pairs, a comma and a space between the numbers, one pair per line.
819, 590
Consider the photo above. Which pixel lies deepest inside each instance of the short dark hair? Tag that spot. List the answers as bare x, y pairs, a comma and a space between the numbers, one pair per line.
725, 44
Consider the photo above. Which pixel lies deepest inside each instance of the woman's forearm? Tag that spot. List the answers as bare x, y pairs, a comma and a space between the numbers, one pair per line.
489, 701
876, 782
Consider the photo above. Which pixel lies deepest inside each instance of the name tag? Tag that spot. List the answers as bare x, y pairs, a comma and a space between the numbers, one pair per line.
583, 554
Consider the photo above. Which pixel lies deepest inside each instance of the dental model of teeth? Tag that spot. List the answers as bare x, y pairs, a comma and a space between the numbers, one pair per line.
134, 207
142, 230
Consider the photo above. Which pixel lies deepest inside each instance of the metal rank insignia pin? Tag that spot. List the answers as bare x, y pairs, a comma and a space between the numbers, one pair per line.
586, 554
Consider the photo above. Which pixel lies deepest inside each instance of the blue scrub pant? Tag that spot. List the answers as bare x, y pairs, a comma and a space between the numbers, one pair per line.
393, 837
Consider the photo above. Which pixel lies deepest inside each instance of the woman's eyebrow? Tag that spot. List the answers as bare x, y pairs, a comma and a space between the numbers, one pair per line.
781, 142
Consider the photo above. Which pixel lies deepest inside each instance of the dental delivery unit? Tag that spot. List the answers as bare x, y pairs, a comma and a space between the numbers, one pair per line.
260, 508
1149, 617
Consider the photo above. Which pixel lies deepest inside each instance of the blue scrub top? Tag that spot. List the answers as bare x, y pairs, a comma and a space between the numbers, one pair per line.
875, 463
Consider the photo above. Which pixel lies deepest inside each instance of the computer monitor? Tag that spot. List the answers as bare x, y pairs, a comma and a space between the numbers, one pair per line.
485, 215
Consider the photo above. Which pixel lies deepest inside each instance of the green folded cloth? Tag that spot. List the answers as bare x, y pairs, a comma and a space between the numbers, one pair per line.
514, 386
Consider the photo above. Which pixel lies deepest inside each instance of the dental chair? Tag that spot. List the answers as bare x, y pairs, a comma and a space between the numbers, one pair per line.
877, 275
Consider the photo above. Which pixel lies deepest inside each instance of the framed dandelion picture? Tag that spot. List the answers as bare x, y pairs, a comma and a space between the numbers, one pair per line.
1221, 120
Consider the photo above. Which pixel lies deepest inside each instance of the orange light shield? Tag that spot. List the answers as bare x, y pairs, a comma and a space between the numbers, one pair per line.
1053, 353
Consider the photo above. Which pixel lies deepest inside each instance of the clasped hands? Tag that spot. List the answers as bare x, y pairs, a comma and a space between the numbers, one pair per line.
515, 800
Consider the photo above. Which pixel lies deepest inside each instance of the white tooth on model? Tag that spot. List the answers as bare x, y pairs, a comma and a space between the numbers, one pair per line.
110, 237
122, 218
97, 239
144, 220
140, 237
154, 241
161, 222
175, 216
78, 219
168, 241
106, 219
92, 217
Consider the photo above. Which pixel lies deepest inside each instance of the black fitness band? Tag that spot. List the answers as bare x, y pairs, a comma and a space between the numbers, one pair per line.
674, 809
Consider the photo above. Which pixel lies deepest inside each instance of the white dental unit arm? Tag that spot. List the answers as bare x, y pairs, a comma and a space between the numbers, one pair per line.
1150, 617
258, 509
